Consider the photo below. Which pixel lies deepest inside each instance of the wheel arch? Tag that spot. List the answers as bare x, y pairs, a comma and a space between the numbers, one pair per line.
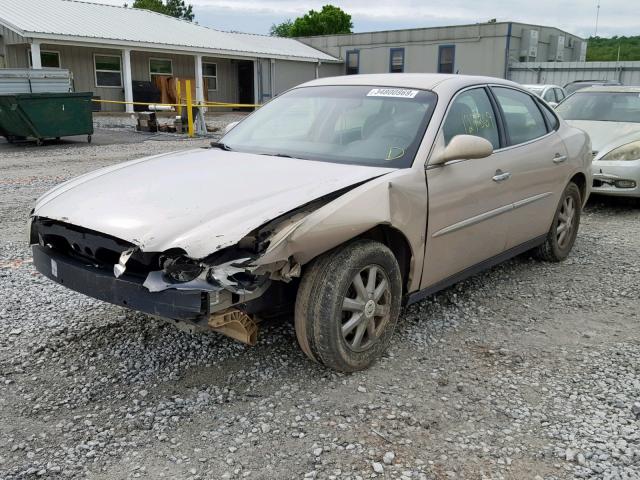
399, 245
580, 179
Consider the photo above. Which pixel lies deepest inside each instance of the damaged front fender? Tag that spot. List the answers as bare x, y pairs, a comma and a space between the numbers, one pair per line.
398, 200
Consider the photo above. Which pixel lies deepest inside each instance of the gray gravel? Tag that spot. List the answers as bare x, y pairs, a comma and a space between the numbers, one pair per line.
528, 371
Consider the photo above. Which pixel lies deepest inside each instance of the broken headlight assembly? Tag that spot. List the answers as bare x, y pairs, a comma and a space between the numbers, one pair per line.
179, 268
630, 151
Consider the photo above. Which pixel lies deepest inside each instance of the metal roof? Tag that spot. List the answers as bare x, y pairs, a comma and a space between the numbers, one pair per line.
82, 22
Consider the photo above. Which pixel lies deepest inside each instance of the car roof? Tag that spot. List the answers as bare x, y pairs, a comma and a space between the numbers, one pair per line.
612, 89
424, 81
541, 85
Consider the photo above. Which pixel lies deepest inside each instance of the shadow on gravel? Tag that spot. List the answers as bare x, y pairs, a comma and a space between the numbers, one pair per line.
612, 205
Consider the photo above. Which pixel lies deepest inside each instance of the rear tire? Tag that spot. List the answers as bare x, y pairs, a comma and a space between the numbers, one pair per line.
348, 305
563, 231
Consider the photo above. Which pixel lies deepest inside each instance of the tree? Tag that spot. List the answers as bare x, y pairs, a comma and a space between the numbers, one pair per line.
174, 8
606, 49
330, 20
282, 29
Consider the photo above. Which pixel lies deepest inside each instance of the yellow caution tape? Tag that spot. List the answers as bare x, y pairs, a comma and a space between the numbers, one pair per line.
206, 104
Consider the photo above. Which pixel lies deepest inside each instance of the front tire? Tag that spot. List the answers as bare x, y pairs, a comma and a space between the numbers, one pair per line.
564, 228
348, 305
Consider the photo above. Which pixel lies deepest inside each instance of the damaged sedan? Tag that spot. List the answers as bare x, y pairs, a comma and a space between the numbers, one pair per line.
341, 200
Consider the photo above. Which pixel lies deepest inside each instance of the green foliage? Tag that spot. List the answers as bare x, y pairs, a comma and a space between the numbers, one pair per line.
282, 29
606, 49
174, 8
330, 20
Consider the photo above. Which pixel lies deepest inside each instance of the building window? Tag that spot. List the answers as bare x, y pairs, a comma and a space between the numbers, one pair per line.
48, 59
160, 66
108, 70
210, 75
446, 58
353, 62
396, 60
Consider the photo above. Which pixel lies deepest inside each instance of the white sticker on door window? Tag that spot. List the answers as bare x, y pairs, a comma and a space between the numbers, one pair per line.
392, 92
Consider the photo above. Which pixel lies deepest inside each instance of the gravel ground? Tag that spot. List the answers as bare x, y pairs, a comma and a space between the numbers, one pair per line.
528, 371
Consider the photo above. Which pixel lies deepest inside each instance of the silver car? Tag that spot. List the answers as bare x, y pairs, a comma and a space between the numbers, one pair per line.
552, 94
343, 199
611, 117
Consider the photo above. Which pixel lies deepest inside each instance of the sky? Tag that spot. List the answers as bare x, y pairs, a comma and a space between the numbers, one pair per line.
617, 17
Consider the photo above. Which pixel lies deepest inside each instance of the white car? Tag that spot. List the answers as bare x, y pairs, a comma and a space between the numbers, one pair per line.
552, 94
611, 117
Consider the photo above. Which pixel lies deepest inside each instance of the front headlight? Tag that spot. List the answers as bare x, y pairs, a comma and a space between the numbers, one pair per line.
180, 268
630, 151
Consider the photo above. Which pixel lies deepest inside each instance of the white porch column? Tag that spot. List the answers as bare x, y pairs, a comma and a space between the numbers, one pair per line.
199, 80
36, 61
126, 79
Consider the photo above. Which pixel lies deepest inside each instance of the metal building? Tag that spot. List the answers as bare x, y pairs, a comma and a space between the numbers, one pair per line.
479, 49
109, 48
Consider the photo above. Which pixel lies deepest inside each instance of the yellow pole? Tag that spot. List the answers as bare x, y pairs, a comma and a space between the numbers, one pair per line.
178, 97
189, 107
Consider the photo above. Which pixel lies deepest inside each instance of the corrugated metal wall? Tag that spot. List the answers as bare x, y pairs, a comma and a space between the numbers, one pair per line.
561, 73
289, 74
25, 80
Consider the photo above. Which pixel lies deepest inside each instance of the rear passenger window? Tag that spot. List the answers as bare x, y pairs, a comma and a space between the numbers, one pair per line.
522, 117
471, 113
559, 94
550, 95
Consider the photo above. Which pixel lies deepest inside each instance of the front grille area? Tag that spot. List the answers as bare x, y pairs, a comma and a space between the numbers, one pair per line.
98, 249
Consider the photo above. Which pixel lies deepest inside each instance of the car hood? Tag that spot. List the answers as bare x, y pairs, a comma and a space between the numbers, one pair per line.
605, 136
198, 200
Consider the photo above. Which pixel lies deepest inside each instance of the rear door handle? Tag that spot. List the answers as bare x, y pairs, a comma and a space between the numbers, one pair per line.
501, 176
559, 158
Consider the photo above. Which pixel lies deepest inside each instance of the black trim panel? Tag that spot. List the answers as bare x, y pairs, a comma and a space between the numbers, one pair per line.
124, 291
473, 270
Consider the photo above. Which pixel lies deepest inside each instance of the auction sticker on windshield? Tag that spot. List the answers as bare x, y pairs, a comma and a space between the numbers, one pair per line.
392, 92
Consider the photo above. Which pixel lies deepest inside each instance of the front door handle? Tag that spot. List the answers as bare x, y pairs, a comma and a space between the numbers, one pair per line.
501, 176
559, 158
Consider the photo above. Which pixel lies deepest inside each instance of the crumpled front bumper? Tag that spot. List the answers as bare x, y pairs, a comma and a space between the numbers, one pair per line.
606, 174
126, 291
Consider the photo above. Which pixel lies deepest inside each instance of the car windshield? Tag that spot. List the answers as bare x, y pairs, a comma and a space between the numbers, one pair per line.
366, 125
601, 106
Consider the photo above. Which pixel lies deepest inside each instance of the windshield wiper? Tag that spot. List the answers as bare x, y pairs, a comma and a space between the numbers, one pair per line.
221, 146
283, 155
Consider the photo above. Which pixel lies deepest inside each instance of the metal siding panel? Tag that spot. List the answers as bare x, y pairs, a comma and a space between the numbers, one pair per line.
561, 73
289, 74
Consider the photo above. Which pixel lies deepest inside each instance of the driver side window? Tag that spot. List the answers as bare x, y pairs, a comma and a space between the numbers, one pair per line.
471, 113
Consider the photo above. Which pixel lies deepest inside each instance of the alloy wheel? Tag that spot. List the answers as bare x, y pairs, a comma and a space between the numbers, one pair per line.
366, 308
565, 226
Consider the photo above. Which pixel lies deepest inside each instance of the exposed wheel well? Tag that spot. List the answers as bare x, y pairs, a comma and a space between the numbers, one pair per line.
398, 244
581, 181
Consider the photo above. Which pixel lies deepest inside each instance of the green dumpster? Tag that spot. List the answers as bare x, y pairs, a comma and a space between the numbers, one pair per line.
45, 115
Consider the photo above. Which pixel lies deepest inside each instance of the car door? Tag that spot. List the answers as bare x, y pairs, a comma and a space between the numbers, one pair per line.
536, 161
467, 199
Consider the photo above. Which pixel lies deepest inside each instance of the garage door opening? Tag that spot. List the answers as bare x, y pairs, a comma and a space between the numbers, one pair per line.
245, 84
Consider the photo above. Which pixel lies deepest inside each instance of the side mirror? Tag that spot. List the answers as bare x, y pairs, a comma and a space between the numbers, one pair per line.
229, 127
464, 147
